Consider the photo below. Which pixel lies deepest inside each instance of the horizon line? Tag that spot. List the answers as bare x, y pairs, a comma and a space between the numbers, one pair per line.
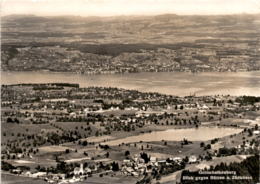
127, 15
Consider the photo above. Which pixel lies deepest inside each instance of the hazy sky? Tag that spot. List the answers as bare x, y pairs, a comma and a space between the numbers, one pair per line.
128, 7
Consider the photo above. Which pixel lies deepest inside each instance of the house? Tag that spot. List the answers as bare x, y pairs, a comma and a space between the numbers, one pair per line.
129, 170
153, 159
27, 174
17, 171
162, 162
74, 179
177, 159
58, 176
135, 174
87, 170
149, 168
73, 114
141, 160
192, 159
205, 107
141, 166
39, 174
79, 170
20, 155
127, 162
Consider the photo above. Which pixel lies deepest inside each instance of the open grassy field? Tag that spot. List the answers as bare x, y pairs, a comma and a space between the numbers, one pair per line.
51, 149
12, 131
13, 179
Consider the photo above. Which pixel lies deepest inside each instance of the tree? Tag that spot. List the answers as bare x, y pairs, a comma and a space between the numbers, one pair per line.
16, 120
115, 166
62, 167
145, 157
107, 154
9, 120
38, 167
67, 151
84, 143
226, 151
250, 133
97, 133
127, 153
6, 166
208, 146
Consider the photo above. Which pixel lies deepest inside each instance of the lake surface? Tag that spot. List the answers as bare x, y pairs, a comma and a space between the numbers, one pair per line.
173, 83
192, 134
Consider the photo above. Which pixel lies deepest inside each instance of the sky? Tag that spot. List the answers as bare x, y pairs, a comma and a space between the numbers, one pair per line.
128, 7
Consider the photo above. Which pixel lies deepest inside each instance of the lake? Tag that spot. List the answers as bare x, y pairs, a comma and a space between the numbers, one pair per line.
192, 134
173, 83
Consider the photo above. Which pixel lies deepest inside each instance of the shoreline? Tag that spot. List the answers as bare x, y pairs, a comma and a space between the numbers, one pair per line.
124, 73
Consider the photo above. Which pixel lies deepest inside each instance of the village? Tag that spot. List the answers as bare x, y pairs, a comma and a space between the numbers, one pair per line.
184, 59
62, 133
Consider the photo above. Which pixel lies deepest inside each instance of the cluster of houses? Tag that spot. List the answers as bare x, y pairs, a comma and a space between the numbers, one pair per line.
136, 166
49, 177
78, 174
132, 166
185, 59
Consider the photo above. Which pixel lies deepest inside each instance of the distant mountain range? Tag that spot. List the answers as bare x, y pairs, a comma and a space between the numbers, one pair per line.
168, 28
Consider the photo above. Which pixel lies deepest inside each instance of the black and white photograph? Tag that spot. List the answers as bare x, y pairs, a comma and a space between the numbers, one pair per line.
130, 91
